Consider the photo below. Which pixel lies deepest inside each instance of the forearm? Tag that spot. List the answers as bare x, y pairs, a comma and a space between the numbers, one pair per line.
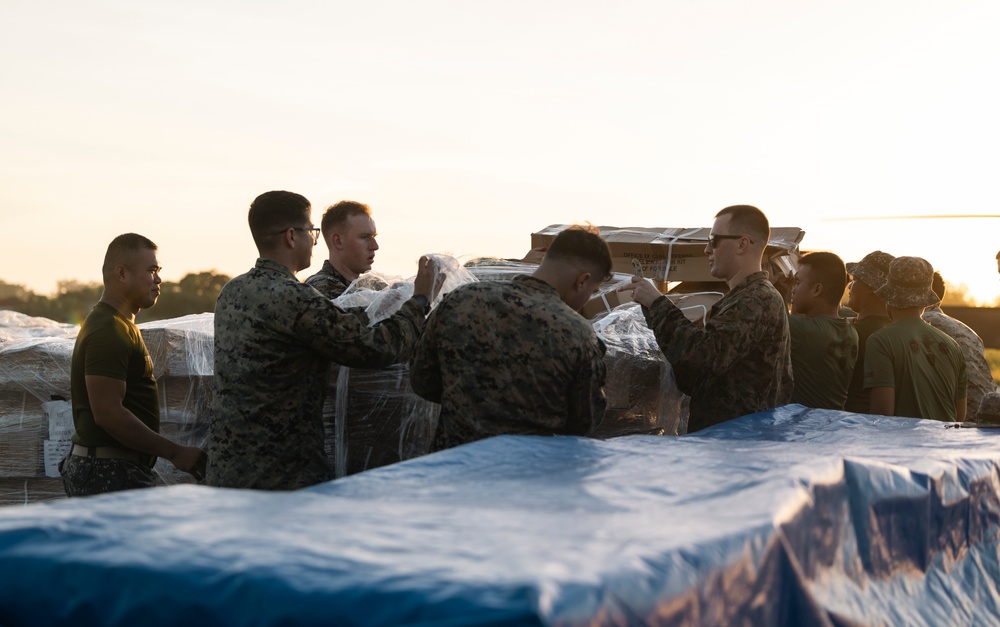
125, 427
883, 401
961, 409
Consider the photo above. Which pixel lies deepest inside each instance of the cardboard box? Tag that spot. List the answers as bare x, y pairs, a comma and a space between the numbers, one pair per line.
669, 254
694, 305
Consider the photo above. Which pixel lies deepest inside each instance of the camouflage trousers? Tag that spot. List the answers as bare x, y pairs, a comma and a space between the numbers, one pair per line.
84, 476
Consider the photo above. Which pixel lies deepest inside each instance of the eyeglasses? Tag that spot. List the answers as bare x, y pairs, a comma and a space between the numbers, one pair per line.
713, 239
312, 230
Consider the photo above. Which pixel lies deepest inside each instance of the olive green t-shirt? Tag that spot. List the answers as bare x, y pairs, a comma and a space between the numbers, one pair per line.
824, 352
924, 366
109, 345
858, 398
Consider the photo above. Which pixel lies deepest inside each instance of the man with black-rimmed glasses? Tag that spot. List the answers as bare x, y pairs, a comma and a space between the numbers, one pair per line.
740, 361
274, 340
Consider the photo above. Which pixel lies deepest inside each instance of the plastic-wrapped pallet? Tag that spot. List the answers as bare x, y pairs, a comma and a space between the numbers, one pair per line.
182, 351
35, 412
373, 418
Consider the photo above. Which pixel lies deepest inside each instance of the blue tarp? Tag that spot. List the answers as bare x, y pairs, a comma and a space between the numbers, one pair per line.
786, 517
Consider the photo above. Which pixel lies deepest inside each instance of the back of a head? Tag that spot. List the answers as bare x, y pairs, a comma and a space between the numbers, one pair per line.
271, 212
829, 270
937, 284
750, 221
582, 246
122, 249
336, 215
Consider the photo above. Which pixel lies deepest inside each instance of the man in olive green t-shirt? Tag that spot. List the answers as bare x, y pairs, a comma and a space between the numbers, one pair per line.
116, 411
911, 368
824, 345
867, 275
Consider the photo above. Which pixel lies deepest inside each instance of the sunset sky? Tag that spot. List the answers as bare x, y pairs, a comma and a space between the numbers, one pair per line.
468, 125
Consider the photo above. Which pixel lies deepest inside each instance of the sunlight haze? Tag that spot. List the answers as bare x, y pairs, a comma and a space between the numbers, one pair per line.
468, 125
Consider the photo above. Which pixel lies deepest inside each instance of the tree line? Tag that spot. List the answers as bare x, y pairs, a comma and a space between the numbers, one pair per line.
195, 293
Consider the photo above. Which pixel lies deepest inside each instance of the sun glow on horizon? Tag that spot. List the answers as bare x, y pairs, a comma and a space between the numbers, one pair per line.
467, 126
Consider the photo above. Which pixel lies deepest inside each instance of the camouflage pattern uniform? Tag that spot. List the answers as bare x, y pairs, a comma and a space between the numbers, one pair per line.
980, 378
739, 363
328, 281
332, 284
274, 340
509, 357
86, 476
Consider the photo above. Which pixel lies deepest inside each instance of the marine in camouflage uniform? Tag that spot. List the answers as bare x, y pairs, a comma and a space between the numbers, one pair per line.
509, 358
328, 281
739, 363
977, 371
274, 340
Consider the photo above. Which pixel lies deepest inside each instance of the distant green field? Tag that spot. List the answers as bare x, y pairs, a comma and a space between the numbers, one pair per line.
993, 359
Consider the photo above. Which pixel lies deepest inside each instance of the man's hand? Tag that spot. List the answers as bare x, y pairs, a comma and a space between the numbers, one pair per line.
428, 281
643, 291
191, 460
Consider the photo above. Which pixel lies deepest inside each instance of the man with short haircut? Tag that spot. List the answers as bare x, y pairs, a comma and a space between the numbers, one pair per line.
824, 345
740, 361
274, 340
116, 409
516, 357
976, 369
349, 233
911, 368
869, 274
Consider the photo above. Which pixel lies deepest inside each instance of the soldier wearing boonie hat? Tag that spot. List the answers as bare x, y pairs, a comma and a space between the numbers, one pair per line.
873, 269
867, 275
911, 368
909, 284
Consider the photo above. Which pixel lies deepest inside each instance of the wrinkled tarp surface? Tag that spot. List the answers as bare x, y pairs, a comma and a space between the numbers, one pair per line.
786, 517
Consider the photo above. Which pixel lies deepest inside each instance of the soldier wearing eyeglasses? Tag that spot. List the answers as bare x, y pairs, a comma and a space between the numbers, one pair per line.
274, 340
740, 361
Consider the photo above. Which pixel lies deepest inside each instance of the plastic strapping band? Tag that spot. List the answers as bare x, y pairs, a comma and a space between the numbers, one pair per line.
670, 251
704, 312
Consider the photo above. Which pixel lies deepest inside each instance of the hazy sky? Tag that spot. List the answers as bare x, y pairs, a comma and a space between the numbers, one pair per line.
467, 125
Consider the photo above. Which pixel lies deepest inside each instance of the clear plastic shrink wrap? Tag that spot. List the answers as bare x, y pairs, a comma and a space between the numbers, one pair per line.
182, 351
373, 418
34, 369
36, 421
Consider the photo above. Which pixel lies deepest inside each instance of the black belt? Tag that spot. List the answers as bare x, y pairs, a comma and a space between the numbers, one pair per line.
114, 452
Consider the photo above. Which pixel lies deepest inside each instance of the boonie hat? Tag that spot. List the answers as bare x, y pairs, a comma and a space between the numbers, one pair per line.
873, 270
909, 284
989, 409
